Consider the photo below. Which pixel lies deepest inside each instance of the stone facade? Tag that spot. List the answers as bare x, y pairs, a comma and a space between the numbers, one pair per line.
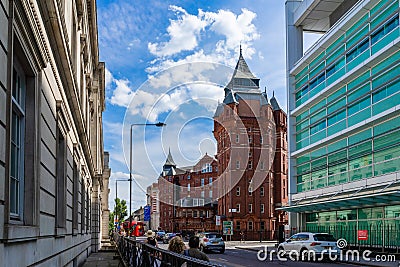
51, 139
250, 130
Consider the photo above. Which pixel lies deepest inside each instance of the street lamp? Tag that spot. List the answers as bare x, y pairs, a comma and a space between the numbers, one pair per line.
116, 193
158, 124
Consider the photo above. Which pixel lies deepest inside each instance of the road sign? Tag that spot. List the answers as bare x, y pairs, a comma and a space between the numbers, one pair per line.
217, 220
146, 210
362, 234
227, 228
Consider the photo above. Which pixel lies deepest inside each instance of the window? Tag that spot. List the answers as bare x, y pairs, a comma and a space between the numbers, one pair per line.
61, 163
210, 194
188, 188
237, 164
206, 168
202, 194
202, 181
262, 208
238, 225
210, 181
262, 225
262, 165
188, 177
237, 138
237, 191
250, 225
83, 204
237, 207
195, 214
261, 139
249, 129
250, 153
250, 139
250, 192
357, 50
201, 202
75, 196
17, 143
250, 208
384, 29
250, 165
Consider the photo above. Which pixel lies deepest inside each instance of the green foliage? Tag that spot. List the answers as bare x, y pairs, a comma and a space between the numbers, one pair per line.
120, 209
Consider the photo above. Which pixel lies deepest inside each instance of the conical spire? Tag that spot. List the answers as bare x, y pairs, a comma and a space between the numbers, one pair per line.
170, 160
242, 70
274, 102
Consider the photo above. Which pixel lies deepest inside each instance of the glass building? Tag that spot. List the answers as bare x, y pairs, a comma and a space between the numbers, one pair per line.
344, 119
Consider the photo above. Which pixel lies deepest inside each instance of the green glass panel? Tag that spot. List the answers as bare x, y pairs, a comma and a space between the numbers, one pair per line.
303, 168
361, 173
386, 91
317, 106
335, 44
335, 128
302, 143
303, 178
386, 77
302, 73
302, 125
380, 6
361, 162
383, 16
360, 149
302, 135
387, 154
317, 89
386, 63
318, 153
361, 136
320, 183
318, 163
370, 213
353, 29
392, 211
387, 140
304, 158
359, 105
337, 105
387, 126
359, 92
337, 117
358, 60
300, 83
385, 41
319, 174
360, 79
317, 70
359, 117
317, 60
337, 156
336, 76
346, 215
387, 167
302, 116
386, 104
312, 217
355, 38
337, 145
335, 95
333, 57
317, 137
318, 116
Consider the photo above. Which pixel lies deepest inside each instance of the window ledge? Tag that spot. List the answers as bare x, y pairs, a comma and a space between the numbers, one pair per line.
20, 233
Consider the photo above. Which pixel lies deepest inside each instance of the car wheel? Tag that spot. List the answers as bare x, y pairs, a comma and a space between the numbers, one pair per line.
222, 251
303, 254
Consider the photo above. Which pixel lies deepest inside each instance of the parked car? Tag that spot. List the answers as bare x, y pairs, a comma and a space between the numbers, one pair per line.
160, 235
304, 246
167, 237
211, 241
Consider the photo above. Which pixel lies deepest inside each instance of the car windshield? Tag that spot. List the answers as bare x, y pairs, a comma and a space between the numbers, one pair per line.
214, 236
324, 237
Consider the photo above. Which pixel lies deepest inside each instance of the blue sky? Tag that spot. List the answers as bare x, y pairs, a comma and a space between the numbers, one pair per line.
167, 61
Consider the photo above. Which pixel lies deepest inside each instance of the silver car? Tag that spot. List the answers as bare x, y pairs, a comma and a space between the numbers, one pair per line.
310, 246
211, 241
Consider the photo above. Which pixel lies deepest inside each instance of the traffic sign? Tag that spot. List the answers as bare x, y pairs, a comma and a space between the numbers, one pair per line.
227, 227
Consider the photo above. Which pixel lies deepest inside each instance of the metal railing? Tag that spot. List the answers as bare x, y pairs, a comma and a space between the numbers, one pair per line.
136, 254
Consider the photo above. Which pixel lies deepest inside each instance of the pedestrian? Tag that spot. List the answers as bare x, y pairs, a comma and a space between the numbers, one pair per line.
151, 238
241, 237
194, 251
176, 245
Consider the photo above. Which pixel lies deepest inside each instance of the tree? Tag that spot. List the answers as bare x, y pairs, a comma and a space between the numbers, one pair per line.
120, 209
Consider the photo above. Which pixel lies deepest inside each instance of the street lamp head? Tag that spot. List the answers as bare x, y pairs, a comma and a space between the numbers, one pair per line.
160, 124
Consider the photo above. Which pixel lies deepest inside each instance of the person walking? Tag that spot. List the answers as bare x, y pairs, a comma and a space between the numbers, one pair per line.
151, 238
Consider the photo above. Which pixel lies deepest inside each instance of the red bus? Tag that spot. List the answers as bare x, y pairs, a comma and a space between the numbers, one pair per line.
138, 228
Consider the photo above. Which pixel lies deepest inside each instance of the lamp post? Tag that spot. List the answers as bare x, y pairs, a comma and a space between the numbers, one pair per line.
116, 193
158, 124
149, 199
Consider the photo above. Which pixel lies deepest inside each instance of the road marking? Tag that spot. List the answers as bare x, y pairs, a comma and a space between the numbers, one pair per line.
222, 259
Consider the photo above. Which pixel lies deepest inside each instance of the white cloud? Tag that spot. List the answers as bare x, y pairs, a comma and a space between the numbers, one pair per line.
183, 34
122, 94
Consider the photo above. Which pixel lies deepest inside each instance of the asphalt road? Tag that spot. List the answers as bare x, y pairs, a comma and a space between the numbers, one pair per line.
234, 257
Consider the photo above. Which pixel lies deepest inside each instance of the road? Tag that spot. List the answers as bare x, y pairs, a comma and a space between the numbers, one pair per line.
234, 257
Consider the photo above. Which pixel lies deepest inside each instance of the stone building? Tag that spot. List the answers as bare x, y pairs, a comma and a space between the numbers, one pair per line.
153, 201
187, 195
52, 174
250, 130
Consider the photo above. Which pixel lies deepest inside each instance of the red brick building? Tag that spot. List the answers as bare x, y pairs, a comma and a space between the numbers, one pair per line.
250, 130
187, 195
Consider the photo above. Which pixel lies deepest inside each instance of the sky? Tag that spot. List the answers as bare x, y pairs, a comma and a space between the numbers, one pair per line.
169, 61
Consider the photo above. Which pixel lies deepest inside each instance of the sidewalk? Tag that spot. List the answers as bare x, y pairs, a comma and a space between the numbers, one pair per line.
255, 246
106, 257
